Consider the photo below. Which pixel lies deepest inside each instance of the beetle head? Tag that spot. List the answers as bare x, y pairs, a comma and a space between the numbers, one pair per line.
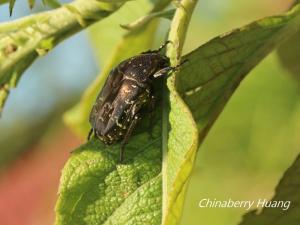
162, 68
163, 62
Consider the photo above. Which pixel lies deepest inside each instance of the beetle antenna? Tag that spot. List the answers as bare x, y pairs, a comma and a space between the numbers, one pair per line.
159, 49
179, 65
164, 45
182, 63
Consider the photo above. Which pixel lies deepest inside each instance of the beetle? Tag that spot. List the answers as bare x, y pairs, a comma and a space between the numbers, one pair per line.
127, 92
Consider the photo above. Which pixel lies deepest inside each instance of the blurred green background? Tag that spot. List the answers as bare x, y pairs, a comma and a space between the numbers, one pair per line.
252, 143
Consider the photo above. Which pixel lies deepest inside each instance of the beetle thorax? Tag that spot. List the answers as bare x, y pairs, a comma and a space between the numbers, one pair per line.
141, 68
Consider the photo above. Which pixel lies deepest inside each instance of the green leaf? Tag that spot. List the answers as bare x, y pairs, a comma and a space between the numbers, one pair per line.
4, 1
11, 6
24, 40
289, 55
215, 69
52, 3
206, 83
287, 191
125, 44
31, 3
96, 189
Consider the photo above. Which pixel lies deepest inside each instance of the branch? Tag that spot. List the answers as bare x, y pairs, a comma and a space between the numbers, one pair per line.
24, 40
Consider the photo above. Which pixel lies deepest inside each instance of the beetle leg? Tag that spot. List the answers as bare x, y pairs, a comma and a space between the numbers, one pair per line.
130, 129
167, 70
151, 108
90, 134
159, 49
162, 72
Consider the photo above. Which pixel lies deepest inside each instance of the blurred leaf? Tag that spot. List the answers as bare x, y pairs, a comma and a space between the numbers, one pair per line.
52, 3
168, 14
4, 1
104, 42
288, 190
11, 6
114, 45
31, 3
24, 40
289, 55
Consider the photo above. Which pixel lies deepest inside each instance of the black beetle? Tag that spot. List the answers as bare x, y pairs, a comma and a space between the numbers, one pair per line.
127, 91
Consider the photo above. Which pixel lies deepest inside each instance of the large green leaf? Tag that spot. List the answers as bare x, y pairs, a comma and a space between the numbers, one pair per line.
216, 68
205, 83
96, 189
23, 40
287, 196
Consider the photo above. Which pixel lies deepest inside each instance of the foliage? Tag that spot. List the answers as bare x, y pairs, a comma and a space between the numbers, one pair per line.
289, 53
149, 187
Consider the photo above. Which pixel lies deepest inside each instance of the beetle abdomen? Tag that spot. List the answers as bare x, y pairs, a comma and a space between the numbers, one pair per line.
118, 115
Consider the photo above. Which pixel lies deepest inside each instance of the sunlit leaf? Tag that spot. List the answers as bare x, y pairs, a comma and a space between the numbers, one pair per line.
206, 83
96, 189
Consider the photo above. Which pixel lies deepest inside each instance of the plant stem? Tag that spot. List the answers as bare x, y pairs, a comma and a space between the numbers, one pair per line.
179, 29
